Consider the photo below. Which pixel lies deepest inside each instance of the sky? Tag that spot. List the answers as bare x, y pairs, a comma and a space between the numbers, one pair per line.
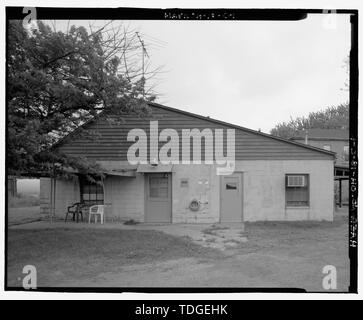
254, 74
28, 186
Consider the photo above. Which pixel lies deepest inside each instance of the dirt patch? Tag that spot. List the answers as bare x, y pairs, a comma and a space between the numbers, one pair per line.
213, 229
222, 237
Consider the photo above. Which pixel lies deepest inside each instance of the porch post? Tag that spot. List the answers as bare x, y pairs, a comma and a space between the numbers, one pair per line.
51, 201
55, 184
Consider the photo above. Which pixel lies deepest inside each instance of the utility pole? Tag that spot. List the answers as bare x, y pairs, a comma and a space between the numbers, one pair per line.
144, 52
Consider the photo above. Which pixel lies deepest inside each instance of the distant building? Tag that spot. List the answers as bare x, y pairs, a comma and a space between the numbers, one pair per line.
336, 140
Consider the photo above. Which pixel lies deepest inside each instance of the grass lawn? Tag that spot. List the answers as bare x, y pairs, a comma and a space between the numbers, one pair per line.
277, 254
20, 215
63, 255
304, 237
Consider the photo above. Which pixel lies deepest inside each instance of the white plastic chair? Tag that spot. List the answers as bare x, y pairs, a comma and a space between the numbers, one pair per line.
96, 210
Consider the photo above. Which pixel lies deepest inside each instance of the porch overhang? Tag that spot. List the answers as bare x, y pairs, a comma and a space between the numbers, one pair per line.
160, 168
121, 172
126, 171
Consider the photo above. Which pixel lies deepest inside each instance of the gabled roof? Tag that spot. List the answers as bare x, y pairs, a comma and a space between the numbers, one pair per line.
80, 147
241, 128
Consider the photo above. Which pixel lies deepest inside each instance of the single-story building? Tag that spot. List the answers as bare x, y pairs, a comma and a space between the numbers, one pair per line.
271, 178
336, 140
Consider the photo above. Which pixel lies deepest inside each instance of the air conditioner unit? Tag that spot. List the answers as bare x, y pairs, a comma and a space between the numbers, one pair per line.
296, 181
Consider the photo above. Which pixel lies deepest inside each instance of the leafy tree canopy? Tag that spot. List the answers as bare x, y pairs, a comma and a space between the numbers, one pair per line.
330, 118
57, 81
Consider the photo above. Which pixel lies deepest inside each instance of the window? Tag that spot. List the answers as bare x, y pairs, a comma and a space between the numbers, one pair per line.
231, 186
91, 192
327, 147
297, 190
158, 187
346, 153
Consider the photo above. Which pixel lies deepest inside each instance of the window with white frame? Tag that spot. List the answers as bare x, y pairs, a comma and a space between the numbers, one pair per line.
297, 190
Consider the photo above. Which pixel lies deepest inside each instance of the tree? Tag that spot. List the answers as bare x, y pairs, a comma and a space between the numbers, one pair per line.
330, 118
59, 80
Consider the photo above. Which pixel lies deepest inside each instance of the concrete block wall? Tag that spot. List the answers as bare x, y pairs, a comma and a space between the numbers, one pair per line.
203, 185
67, 193
124, 197
263, 192
264, 189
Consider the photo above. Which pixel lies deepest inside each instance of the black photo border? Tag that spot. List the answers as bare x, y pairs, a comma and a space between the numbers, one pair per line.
128, 13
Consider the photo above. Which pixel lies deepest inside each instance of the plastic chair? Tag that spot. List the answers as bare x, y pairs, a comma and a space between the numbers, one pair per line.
96, 210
